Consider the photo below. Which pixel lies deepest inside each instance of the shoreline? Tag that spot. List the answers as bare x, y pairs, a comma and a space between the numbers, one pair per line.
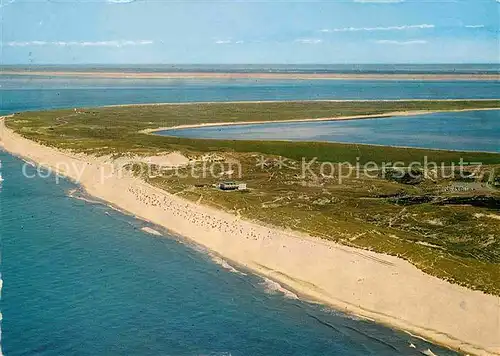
383, 288
255, 75
296, 101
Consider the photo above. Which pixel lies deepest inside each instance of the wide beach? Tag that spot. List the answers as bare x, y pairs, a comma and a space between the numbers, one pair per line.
268, 76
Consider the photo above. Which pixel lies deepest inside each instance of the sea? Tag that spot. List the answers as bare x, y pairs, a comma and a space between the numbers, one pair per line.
80, 278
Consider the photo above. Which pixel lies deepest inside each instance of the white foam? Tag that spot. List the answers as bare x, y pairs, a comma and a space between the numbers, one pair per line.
150, 231
73, 193
417, 336
223, 263
273, 287
328, 310
428, 352
30, 163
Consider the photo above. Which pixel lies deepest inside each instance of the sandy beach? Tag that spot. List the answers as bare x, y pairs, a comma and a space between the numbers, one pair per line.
380, 287
263, 76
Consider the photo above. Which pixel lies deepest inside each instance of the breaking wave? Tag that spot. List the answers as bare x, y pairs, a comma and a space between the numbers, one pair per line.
151, 231
76, 194
273, 287
223, 263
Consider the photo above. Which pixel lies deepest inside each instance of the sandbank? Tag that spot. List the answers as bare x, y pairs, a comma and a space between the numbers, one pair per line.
260, 76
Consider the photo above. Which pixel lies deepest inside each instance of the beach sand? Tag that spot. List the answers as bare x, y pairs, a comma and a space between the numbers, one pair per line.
376, 286
262, 76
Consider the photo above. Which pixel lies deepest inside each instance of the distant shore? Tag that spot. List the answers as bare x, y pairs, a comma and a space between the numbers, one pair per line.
255, 75
383, 288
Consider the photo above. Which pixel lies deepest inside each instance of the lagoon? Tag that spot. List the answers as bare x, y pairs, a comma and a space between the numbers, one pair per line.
466, 131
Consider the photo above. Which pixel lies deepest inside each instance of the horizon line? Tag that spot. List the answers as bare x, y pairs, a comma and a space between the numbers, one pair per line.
247, 64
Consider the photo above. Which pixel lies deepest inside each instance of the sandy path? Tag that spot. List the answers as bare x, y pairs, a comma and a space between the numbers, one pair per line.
380, 287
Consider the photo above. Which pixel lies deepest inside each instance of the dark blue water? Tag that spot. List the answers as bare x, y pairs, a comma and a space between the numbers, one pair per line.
30, 93
82, 279
468, 131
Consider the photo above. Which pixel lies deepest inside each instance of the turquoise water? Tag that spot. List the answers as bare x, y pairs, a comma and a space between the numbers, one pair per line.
82, 279
468, 131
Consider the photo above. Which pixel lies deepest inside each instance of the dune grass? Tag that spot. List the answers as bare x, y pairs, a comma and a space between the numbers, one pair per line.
457, 242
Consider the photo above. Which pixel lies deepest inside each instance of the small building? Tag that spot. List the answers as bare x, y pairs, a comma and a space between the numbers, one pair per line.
232, 186
228, 186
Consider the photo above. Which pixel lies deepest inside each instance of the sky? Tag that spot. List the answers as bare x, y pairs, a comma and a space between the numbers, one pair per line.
243, 31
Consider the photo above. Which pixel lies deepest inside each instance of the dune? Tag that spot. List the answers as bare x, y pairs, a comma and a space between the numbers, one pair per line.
172, 160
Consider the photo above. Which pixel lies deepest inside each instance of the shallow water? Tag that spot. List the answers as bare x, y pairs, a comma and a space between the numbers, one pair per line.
468, 131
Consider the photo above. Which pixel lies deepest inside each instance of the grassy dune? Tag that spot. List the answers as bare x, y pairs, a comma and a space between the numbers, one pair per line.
447, 233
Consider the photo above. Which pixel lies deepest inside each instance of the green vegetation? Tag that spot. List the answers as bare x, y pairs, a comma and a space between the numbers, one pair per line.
448, 227
115, 130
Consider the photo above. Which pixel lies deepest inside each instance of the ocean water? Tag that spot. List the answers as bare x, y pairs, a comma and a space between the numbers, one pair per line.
34, 93
468, 131
80, 278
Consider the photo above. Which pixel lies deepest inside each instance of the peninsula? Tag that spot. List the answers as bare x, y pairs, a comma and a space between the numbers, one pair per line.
403, 247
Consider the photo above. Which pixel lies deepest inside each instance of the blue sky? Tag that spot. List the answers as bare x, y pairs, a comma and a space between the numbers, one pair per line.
272, 31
